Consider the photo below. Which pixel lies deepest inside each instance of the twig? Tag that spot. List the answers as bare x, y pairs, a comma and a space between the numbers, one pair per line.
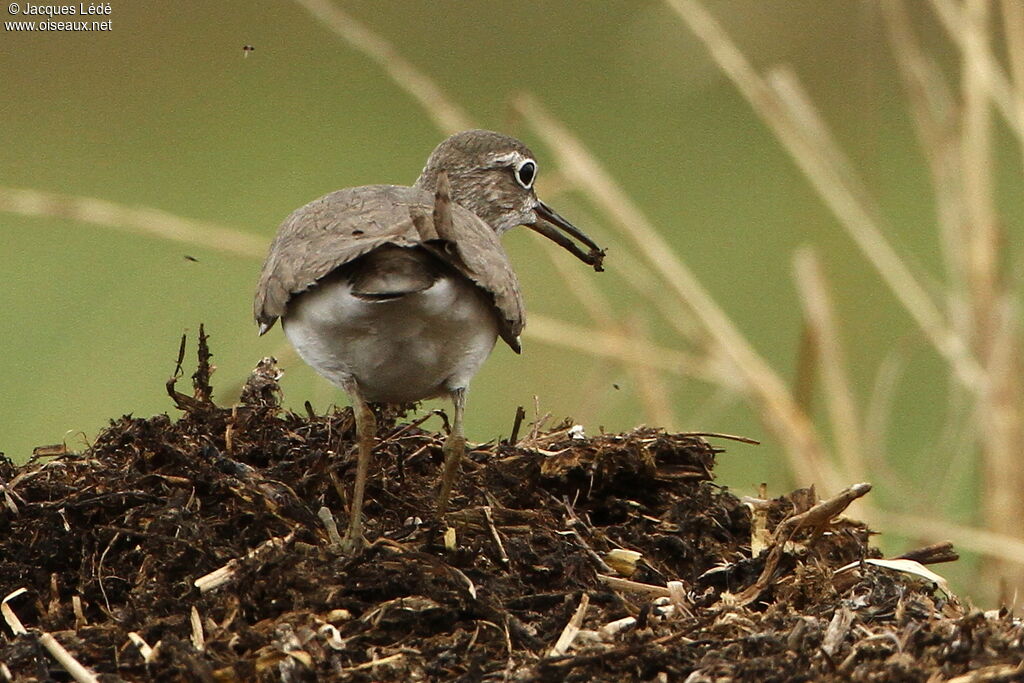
804, 449
784, 107
627, 350
146, 221
932, 554
516, 424
494, 534
614, 628
99, 570
817, 516
719, 435
634, 586
571, 629
846, 427
575, 521
145, 650
986, 69
447, 115
201, 388
64, 658
225, 574
990, 543
198, 638
13, 622
376, 662
56, 650
76, 607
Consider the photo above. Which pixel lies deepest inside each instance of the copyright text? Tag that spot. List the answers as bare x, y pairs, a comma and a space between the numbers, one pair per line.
60, 17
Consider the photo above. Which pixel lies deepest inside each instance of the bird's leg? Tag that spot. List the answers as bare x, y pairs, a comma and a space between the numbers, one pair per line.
454, 449
366, 433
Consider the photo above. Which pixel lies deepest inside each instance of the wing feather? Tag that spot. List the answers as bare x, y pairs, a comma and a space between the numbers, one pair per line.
340, 227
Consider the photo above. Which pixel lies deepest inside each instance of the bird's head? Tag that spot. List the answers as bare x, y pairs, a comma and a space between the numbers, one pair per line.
493, 176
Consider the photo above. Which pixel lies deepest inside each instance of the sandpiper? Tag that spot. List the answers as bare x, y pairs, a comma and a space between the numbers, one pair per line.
398, 294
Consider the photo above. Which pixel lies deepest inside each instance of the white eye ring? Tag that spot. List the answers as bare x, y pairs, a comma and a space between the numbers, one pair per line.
530, 167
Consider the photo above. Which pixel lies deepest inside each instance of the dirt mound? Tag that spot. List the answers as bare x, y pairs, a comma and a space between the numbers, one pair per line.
203, 549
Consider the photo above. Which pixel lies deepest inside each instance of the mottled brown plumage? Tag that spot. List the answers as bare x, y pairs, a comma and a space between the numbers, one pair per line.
398, 294
345, 225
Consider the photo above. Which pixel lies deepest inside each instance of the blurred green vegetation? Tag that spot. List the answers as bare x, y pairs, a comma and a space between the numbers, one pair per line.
164, 112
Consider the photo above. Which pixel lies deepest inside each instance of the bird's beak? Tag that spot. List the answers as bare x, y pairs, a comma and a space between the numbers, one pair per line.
549, 223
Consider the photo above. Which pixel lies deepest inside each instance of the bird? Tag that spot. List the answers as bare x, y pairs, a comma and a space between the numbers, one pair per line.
397, 294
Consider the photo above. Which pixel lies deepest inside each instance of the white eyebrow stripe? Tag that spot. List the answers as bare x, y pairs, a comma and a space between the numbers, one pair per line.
507, 159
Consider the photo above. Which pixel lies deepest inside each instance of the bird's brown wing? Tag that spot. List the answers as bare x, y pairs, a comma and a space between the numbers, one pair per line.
342, 226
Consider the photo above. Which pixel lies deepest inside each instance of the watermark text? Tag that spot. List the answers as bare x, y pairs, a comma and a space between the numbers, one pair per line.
56, 18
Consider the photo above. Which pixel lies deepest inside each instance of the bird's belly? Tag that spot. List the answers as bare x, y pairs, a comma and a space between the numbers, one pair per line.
416, 346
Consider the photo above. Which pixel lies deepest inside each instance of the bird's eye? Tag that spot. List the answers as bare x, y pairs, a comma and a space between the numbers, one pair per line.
526, 171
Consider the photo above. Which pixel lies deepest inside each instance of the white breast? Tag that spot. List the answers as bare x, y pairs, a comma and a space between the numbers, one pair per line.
414, 347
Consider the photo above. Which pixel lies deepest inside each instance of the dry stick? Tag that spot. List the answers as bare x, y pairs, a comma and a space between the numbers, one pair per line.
64, 658
198, 638
13, 622
56, 650
719, 435
994, 331
791, 426
1001, 417
650, 387
936, 118
376, 662
447, 115
634, 586
571, 630
575, 521
494, 534
842, 411
145, 221
627, 350
932, 554
144, 649
980, 234
1013, 29
817, 516
513, 438
225, 574
857, 213
931, 105
785, 109
983, 63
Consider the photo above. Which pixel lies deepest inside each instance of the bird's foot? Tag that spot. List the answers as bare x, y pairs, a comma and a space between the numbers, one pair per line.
353, 543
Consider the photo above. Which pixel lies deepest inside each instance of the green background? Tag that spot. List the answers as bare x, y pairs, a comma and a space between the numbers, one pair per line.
163, 111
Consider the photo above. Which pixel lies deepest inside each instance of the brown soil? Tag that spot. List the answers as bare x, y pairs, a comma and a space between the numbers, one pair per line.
109, 544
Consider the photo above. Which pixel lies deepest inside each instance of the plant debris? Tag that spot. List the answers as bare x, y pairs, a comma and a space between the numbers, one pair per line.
205, 549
